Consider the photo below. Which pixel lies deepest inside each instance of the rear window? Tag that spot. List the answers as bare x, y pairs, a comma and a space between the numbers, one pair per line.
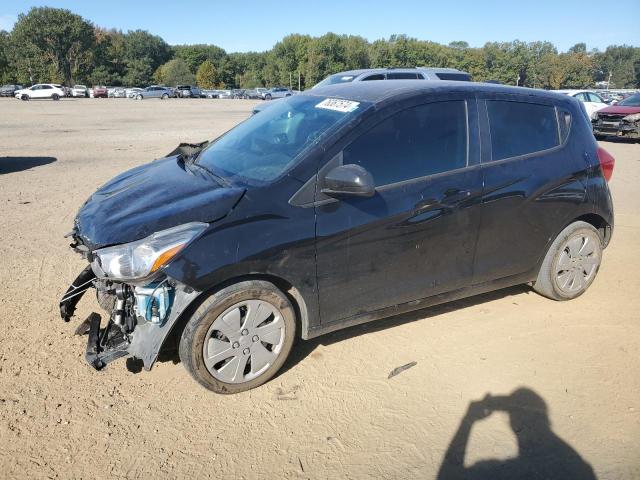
519, 128
462, 77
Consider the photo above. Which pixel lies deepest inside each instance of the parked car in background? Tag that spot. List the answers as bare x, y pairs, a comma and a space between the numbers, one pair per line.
131, 92
80, 91
100, 92
209, 93
321, 213
118, 92
253, 93
188, 91
591, 100
622, 120
224, 93
276, 92
9, 90
154, 91
238, 93
420, 73
41, 90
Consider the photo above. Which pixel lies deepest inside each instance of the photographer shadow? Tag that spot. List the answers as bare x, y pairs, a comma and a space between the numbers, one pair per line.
541, 453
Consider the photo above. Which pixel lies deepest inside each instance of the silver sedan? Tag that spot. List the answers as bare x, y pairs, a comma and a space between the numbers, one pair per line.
153, 92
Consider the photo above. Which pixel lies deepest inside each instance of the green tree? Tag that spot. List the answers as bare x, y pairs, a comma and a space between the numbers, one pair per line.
195, 55
53, 37
175, 72
207, 76
6, 75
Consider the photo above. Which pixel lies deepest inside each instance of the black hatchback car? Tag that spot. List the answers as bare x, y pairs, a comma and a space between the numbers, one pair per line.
339, 206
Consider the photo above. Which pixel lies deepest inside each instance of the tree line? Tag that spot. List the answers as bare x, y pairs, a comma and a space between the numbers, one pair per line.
55, 45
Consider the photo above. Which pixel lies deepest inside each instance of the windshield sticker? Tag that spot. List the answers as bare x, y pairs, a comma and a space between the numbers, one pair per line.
344, 106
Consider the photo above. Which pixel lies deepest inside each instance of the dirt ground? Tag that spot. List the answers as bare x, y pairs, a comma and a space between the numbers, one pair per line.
333, 412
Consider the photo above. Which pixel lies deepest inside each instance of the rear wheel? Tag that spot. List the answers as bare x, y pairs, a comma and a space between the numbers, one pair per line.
164, 96
239, 337
571, 264
267, 96
24, 97
138, 97
55, 97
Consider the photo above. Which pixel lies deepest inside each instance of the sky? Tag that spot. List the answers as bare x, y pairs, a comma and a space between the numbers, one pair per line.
253, 25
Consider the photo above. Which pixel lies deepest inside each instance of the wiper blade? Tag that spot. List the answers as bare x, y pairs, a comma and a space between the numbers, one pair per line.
221, 180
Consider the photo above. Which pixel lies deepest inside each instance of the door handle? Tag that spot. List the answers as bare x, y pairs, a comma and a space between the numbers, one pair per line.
450, 197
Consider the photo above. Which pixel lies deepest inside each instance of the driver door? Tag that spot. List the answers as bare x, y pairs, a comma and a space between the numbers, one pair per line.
415, 237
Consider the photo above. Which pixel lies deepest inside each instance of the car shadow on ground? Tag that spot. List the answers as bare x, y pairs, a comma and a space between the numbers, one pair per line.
541, 453
305, 347
18, 164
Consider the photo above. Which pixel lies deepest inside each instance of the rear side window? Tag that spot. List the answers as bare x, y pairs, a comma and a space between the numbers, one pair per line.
413, 143
519, 128
462, 77
403, 76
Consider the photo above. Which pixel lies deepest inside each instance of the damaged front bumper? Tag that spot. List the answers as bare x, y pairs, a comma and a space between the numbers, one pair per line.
622, 128
139, 318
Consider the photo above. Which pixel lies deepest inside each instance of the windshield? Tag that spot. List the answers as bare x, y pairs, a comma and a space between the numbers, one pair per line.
333, 79
265, 146
632, 101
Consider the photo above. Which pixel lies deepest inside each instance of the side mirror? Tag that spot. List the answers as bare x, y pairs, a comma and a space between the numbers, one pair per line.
348, 180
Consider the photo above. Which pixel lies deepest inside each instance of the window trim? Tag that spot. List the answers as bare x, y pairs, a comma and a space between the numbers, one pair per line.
486, 130
386, 186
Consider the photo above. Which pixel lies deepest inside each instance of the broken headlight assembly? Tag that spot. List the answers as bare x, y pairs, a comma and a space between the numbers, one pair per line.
141, 259
632, 118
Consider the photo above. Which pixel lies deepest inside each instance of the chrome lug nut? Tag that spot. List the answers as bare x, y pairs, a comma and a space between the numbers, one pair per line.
246, 351
235, 345
255, 338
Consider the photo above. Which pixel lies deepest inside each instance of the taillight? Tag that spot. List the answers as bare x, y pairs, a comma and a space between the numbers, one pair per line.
607, 162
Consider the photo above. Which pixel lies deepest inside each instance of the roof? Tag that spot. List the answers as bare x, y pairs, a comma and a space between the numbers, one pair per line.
361, 71
376, 92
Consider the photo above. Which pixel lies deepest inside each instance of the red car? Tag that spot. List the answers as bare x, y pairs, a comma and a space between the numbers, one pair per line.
622, 120
99, 92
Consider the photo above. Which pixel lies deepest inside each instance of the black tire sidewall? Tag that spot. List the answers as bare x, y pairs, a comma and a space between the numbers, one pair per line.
194, 334
546, 282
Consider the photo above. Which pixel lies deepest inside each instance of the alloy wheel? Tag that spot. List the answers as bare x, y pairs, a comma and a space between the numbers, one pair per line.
577, 263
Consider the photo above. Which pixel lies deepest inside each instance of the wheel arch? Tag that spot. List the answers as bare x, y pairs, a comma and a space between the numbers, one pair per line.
287, 288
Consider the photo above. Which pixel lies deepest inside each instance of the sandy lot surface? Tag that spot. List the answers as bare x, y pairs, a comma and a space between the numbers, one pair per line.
332, 413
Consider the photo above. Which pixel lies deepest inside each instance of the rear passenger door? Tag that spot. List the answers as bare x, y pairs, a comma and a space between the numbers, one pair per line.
533, 182
416, 236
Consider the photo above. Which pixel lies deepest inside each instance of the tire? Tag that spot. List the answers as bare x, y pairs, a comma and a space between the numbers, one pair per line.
267, 96
571, 263
24, 97
245, 344
164, 97
55, 97
138, 97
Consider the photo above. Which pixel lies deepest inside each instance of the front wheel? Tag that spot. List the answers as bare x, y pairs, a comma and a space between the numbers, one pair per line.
571, 264
55, 97
239, 337
164, 97
267, 96
24, 97
138, 97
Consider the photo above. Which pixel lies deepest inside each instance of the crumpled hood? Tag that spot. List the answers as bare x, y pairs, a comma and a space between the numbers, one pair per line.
155, 196
620, 110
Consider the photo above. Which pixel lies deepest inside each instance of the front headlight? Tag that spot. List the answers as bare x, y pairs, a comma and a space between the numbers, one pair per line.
632, 118
139, 259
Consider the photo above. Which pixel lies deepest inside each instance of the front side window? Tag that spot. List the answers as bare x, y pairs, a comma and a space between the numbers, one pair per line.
519, 128
632, 101
413, 143
265, 146
595, 98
